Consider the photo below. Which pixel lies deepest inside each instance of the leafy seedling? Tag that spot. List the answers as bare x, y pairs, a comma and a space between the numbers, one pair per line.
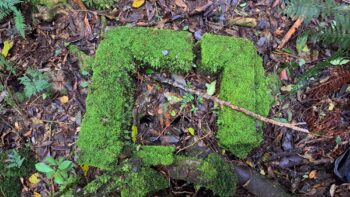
211, 88
34, 82
57, 169
14, 160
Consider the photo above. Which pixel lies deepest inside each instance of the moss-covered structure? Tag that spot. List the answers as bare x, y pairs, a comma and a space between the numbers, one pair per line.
111, 98
156, 155
243, 83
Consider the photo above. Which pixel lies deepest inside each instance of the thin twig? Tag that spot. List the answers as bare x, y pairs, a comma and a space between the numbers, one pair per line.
290, 32
228, 104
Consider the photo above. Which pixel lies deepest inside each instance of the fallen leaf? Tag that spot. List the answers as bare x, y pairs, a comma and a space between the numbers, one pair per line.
312, 174
172, 97
37, 121
7, 46
85, 169
36, 194
243, 22
284, 75
34, 178
287, 88
137, 3
191, 131
332, 189
211, 88
134, 133
181, 3
63, 99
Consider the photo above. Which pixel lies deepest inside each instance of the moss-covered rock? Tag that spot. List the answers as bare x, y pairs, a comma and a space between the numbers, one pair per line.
213, 173
10, 184
218, 176
243, 83
146, 181
156, 155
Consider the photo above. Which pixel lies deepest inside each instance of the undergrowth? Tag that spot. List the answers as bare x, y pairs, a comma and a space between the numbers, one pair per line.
100, 4
338, 32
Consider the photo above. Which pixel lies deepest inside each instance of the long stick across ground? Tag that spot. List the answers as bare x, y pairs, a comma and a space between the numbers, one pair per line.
228, 104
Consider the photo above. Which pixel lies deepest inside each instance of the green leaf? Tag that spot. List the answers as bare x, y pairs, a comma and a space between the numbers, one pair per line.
51, 160
191, 131
301, 44
338, 139
65, 165
49, 175
59, 178
211, 88
84, 84
339, 61
43, 167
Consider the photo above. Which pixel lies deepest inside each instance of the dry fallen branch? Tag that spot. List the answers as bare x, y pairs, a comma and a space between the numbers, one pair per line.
228, 104
290, 32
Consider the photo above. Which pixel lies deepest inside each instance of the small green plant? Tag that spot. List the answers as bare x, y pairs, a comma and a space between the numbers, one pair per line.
57, 169
34, 82
14, 159
8, 7
187, 98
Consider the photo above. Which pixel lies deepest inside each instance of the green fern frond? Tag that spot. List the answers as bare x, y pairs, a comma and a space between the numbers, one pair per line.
4, 13
9, 6
19, 22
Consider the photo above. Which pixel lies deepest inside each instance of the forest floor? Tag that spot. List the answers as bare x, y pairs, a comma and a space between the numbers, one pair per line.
302, 163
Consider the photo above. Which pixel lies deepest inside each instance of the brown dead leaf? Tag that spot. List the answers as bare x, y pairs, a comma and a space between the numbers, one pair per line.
182, 4
312, 174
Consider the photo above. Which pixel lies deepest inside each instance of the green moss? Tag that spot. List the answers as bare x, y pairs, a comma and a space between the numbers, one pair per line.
218, 176
156, 155
110, 97
100, 4
10, 184
84, 60
144, 182
243, 83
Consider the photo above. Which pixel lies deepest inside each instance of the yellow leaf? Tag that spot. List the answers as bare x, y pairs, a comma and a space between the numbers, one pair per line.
34, 178
63, 99
7, 46
36, 194
85, 169
137, 3
37, 121
134, 133
191, 131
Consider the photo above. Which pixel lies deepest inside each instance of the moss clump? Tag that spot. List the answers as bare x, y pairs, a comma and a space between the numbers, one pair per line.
156, 155
144, 182
243, 83
10, 184
110, 98
100, 4
129, 180
218, 176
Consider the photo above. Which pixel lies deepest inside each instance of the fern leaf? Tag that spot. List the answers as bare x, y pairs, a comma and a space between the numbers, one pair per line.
19, 22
